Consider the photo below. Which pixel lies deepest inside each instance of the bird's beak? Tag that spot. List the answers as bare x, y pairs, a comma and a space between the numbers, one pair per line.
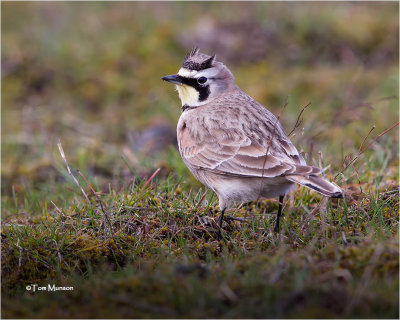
173, 78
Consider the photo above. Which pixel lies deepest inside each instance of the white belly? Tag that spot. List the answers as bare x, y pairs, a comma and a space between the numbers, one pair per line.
232, 190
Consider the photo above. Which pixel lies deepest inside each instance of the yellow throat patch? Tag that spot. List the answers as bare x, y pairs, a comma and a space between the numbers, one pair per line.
188, 95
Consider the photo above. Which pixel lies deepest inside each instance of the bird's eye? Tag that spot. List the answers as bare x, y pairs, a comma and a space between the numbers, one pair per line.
202, 80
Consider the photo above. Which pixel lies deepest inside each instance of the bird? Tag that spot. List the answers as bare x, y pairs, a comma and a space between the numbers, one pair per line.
234, 145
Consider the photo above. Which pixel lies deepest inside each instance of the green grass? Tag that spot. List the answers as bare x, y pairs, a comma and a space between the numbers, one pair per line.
90, 76
158, 257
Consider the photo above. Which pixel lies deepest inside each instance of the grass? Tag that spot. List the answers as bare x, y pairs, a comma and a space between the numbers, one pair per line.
156, 256
144, 246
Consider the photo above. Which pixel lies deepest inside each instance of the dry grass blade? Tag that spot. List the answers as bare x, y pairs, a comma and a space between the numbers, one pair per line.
299, 121
57, 208
361, 151
152, 177
269, 145
366, 137
201, 200
321, 162
60, 148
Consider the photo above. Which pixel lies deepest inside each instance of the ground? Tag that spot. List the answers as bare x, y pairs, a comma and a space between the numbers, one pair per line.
139, 239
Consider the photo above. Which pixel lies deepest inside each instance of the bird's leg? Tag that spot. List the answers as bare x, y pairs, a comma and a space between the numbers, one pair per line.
276, 228
221, 218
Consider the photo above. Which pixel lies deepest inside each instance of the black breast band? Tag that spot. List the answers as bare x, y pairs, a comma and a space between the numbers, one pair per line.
186, 107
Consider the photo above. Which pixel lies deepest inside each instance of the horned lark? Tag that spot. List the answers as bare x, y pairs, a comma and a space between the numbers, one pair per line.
234, 145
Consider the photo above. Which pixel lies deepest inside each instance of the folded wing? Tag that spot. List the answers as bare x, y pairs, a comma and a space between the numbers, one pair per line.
242, 155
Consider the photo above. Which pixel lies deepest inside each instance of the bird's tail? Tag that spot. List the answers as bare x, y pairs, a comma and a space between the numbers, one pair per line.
321, 185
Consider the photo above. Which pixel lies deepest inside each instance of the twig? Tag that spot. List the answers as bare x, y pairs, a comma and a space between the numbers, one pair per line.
361, 151
58, 209
321, 162
299, 121
60, 148
365, 138
152, 177
362, 143
346, 157
201, 200
269, 145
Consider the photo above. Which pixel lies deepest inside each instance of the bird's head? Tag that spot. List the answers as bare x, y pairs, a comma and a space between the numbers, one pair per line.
200, 79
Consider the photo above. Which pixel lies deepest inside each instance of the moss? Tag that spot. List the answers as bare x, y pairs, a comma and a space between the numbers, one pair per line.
156, 255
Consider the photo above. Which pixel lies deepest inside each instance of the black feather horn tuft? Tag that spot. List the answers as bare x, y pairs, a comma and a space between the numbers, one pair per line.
208, 63
192, 53
192, 64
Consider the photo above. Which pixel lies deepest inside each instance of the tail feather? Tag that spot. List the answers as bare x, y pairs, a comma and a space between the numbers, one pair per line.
321, 185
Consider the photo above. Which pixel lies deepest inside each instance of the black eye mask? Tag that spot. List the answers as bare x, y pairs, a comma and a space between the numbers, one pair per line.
203, 90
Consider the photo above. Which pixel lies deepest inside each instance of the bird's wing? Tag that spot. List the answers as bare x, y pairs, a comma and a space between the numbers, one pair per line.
236, 153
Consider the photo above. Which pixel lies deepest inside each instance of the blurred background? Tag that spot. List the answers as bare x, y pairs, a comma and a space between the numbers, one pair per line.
89, 74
